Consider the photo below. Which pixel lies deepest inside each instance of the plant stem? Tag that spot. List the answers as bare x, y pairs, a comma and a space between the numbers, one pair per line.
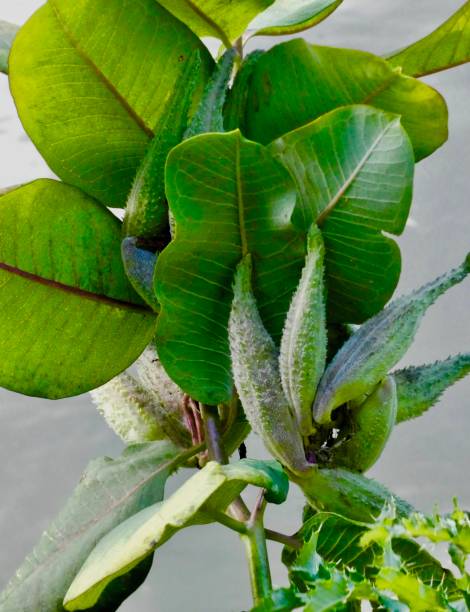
213, 438
290, 541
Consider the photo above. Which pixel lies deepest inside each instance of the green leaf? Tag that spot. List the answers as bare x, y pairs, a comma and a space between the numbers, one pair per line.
295, 83
289, 17
366, 358
217, 18
92, 107
207, 492
329, 594
409, 589
354, 174
444, 48
7, 34
139, 265
109, 492
69, 318
419, 388
228, 197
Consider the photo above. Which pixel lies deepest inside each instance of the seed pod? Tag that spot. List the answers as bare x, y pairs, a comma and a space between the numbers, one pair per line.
256, 372
304, 341
377, 346
139, 265
419, 388
372, 423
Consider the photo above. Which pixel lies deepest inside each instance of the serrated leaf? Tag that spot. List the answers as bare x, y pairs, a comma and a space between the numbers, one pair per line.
410, 590
353, 169
294, 83
280, 600
91, 107
291, 16
329, 594
420, 387
228, 197
109, 492
445, 47
69, 318
378, 345
7, 34
209, 491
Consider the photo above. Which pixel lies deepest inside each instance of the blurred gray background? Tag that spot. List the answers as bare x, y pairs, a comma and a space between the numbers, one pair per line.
44, 446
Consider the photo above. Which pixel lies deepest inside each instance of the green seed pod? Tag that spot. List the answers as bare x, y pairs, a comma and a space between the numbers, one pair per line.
367, 357
256, 372
419, 388
372, 422
139, 265
304, 341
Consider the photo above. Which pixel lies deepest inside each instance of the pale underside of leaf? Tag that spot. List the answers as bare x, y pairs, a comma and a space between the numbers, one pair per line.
7, 34
287, 17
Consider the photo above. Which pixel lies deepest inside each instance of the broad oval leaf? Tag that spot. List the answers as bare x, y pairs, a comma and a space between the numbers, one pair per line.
295, 83
7, 34
229, 197
92, 107
291, 16
69, 318
446, 47
354, 173
110, 491
199, 500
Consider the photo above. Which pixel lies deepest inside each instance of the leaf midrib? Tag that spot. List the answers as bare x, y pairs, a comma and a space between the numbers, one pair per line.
210, 22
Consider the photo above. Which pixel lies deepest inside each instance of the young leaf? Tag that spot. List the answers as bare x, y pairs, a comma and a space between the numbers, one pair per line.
205, 494
255, 367
234, 111
304, 340
354, 170
109, 492
295, 82
410, 590
419, 388
69, 318
446, 47
228, 197
7, 34
139, 265
92, 107
289, 17
378, 345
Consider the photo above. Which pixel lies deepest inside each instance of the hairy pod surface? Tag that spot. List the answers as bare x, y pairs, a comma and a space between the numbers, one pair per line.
304, 341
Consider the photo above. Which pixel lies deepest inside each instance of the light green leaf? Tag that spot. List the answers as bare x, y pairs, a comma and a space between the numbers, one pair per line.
419, 388
224, 20
228, 197
446, 47
69, 318
354, 174
378, 345
291, 16
295, 83
109, 492
7, 34
409, 589
98, 85
208, 492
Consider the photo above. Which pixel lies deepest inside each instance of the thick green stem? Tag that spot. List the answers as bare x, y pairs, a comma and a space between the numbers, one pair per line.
213, 437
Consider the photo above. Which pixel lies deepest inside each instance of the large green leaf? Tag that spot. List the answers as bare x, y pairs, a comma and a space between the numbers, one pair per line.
290, 16
444, 48
7, 34
219, 18
69, 318
229, 197
91, 80
110, 491
354, 173
295, 82
199, 500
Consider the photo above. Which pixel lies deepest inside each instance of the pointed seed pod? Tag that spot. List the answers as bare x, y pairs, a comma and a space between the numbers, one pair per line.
139, 265
377, 346
304, 340
256, 372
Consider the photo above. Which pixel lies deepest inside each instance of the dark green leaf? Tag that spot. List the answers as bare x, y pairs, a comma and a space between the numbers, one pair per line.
69, 318
291, 16
92, 107
7, 34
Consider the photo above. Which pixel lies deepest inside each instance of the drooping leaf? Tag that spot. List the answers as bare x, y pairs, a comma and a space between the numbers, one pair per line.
92, 107
69, 318
353, 169
109, 492
289, 17
228, 197
419, 388
295, 82
7, 34
217, 18
139, 265
197, 501
378, 345
444, 48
